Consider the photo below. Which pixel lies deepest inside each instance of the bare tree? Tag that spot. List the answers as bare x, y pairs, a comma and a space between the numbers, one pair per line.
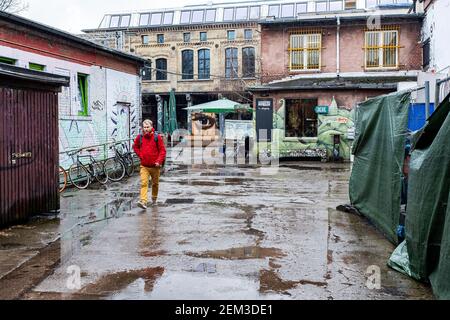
13, 6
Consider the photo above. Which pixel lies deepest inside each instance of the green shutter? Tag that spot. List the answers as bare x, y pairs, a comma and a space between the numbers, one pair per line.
7, 60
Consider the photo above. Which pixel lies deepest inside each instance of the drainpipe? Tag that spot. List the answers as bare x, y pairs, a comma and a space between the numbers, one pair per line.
338, 54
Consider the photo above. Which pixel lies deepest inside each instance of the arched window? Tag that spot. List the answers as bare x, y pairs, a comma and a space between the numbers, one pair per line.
248, 62
204, 64
231, 63
161, 69
187, 64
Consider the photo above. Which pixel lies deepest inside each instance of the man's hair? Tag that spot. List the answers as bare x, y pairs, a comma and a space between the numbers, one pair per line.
149, 122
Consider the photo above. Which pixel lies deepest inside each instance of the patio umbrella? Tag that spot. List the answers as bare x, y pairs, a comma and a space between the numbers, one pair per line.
220, 106
173, 125
166, 118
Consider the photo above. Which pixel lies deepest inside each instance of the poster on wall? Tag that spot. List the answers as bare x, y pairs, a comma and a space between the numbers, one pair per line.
238, 129
264, 119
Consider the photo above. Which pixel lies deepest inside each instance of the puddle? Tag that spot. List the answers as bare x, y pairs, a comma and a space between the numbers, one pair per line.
115, 282
179, 201
223, 174
148, 254
270, 281
206, 268
8, 246
239, 253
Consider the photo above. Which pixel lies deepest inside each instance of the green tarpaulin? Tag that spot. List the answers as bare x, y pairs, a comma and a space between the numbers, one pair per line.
428, 213
379, 149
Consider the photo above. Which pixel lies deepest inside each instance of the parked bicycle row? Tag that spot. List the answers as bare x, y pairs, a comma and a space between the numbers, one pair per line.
86, 169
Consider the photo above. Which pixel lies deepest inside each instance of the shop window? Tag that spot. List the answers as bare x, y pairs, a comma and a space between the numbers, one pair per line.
231, 63
248, 62
187, 61
305, 51
161, 69
301, 119
204, 64
83, 94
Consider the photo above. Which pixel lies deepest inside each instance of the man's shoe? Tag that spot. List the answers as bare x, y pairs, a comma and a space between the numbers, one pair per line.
142, 205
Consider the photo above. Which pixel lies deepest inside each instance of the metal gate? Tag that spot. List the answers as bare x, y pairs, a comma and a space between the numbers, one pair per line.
28, 153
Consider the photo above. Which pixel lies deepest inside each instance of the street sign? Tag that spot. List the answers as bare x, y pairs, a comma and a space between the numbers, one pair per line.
321, 109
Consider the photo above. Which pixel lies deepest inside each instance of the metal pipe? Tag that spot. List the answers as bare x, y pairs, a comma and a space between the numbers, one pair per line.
338, 54
427, 99
437, 95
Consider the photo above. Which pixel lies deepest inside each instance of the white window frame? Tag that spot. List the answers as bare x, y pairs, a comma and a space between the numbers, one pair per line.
381, 51
305, 49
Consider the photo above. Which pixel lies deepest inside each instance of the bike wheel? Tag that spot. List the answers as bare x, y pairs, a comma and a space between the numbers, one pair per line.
62, 179
129, 163
100, 173
115, 170
79, 176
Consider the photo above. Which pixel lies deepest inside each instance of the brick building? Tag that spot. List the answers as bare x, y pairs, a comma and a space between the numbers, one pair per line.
103, 99
334, 58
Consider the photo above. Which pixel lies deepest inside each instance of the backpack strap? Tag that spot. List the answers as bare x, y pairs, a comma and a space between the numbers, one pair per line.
156, 135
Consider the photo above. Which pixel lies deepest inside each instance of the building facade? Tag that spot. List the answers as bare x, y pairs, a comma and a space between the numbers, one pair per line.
202, 52
103, 100
317, 67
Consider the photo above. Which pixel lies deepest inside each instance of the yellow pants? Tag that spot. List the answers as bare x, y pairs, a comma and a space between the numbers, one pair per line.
146, 173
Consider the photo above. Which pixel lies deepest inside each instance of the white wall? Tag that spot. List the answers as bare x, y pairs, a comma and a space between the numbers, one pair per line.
436, 27
106, 88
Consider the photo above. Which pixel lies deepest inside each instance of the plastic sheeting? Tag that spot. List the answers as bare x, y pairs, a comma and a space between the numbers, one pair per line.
379, 148
428, 212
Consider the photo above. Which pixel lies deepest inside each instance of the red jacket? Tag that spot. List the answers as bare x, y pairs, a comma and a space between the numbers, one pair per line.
149, 152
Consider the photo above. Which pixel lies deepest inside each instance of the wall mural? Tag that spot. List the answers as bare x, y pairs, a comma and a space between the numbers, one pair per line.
115, 118
336, 122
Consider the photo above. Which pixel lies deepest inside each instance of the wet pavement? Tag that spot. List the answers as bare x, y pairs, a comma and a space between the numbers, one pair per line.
217, 233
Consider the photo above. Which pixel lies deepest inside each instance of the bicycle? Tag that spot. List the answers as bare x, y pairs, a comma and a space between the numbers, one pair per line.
62, 179
127, 158
115, 167
81, 175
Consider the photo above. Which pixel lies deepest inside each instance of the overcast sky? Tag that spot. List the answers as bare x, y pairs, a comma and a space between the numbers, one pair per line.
75, 15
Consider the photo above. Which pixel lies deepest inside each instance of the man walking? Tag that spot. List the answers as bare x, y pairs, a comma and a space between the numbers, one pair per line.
149, 147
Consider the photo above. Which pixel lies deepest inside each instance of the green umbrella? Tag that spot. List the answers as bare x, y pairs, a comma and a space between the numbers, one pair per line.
220, 106
166, 118
173, 125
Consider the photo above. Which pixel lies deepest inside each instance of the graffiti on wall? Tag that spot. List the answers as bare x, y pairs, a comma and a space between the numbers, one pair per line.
336, 122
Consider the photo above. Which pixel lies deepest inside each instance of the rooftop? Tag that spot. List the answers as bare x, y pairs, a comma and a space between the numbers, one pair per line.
245, 11
15, 19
